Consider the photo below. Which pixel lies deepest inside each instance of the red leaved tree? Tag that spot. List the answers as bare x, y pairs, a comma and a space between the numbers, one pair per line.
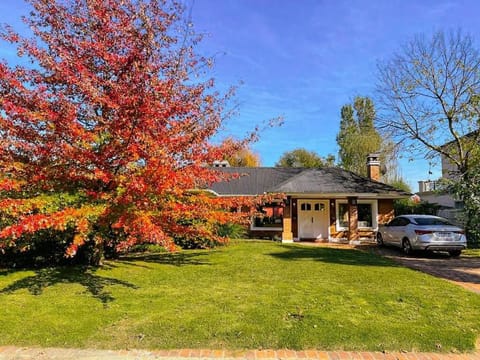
106, 135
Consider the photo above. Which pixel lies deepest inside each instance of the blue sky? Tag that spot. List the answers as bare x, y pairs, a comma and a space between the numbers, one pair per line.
304, 59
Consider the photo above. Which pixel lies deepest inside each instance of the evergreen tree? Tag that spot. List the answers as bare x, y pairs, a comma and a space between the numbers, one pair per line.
358, 137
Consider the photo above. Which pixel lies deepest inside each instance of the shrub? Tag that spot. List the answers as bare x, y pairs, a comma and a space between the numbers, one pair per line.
46, 248
232, 230
406, 206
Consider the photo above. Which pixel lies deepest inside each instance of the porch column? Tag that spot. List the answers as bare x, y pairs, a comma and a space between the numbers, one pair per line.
287, 234
352, 220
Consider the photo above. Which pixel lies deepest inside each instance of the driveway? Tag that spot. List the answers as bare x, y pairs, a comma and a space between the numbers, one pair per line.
463, 271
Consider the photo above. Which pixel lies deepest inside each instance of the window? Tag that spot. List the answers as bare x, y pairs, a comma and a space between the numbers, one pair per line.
306, 207
343, 215
319, 207
269, 216
366, 210
364, 215
459, 205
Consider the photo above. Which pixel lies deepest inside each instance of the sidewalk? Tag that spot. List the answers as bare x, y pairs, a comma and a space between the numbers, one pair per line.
18, 353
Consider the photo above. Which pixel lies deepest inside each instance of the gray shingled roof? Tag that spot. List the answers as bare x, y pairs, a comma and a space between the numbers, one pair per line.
334, 180
256, 181
253, 180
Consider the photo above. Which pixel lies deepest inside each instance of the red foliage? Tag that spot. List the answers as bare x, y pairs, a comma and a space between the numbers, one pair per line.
112, 110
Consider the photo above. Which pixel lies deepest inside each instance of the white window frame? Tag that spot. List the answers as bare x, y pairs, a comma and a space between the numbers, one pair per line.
265, 228
373, 203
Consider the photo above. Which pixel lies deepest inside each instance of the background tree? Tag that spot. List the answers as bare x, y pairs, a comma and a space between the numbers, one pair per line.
412, 205
358, 137
469, 191
105, 136
303, 158
429, 92
244, 158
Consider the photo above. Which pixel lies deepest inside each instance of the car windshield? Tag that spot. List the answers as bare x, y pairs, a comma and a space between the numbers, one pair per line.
431, 221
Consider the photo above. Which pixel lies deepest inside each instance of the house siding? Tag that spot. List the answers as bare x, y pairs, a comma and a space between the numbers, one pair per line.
362, 234
265, 234
385, 211
290, 224
287, 233
353, 234
333, 219
320, 190
295, 218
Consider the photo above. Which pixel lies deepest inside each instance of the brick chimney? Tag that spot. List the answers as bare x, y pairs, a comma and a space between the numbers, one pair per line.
373, 166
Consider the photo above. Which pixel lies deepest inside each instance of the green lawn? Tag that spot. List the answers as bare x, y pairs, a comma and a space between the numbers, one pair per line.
248, 295
471, 252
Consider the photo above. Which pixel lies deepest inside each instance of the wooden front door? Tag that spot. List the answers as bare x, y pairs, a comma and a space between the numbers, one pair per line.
313, 219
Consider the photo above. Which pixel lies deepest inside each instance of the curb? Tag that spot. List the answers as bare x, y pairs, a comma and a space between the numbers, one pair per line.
24, 353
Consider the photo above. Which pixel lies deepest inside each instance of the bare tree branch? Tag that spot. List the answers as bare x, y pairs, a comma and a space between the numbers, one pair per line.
426, 96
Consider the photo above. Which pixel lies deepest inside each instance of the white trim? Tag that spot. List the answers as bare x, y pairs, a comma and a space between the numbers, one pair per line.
320, 214
345, 195
372, 202
303, 195
278, 227
337, 215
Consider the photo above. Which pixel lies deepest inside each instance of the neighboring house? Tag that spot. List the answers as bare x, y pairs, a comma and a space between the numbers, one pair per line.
469, 144
327, 204
448, 206
431, 191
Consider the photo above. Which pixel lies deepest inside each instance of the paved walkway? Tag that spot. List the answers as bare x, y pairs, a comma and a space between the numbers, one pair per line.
13, 353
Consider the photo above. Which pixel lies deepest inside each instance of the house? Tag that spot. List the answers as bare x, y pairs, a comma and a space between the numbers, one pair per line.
432, 192
326, 204
446, 204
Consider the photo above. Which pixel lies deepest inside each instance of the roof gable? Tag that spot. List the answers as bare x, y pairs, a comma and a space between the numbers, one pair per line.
334, 180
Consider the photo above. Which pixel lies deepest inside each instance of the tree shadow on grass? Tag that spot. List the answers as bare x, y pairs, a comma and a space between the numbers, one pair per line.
84, 276
183, 258
4, 272
333, 255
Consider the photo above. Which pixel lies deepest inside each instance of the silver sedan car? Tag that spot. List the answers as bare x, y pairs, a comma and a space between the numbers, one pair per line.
422, 232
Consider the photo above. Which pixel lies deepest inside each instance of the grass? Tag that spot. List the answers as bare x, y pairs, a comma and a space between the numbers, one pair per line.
471, 252
248, 295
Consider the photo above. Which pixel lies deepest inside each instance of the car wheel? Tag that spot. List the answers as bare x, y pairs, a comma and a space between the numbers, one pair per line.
407, 247
380, 240
455, 253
